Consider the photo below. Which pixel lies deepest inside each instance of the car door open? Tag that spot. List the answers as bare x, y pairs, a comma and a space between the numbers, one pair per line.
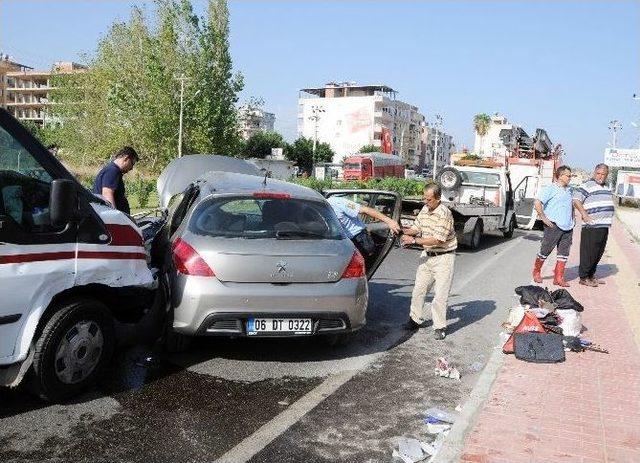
387, 202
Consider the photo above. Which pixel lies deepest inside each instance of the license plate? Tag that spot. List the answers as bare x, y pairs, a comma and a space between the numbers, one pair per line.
279, 325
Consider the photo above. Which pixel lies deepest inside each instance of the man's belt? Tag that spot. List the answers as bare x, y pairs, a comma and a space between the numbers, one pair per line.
438, 253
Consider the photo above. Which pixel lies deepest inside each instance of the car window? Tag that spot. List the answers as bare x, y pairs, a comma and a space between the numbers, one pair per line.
24, 187
248, 217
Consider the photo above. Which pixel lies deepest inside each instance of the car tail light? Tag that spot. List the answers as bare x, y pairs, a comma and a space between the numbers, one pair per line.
188, 261
271, 195
355, 269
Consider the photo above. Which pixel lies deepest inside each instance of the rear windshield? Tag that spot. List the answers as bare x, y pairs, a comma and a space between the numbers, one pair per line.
248, 217
480, 178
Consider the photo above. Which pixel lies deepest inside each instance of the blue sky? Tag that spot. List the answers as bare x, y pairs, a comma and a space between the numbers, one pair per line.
567, 66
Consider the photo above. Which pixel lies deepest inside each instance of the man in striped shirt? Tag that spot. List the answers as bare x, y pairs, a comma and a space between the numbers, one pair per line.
434, 230
594, 201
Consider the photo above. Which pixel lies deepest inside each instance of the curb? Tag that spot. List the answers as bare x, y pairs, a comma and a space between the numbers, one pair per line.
453, 444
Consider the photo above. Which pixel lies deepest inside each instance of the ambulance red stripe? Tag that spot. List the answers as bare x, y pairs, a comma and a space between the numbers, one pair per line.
48, 256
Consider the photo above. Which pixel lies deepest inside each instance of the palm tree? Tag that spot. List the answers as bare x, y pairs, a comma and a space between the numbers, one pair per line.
481, 124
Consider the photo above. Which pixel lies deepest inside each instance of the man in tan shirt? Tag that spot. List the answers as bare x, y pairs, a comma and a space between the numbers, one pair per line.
433, 229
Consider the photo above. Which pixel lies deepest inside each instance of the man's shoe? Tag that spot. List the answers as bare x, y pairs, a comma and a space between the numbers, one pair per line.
588, 282
439, 334
411, 325
597, 281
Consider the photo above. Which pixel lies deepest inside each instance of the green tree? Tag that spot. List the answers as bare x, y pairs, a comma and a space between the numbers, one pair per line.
369, 149
301, 153
481, 123
261, 143
130, 94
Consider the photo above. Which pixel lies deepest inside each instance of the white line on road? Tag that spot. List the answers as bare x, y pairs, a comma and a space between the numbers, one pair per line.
278, 425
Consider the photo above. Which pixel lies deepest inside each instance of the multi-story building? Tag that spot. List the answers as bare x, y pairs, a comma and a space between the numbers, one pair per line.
348, 116
26, 92
253, 119
445, 148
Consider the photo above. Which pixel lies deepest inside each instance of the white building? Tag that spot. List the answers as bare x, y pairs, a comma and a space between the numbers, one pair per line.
445, 148
491, 144
253, 119
349, 116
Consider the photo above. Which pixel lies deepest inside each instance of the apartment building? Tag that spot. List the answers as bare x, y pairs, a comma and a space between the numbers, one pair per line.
26, 92
445, 148
252, 120
349, 116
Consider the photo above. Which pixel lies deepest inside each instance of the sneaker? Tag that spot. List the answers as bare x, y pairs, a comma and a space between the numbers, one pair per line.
587, 282
598, 281
439, 334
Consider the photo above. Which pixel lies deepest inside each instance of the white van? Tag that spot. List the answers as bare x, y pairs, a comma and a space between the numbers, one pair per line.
69, 266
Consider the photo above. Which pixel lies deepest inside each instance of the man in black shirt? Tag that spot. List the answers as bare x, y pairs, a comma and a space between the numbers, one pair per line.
108, 182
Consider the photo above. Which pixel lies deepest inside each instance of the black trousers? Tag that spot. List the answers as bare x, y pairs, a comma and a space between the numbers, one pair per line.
592, 244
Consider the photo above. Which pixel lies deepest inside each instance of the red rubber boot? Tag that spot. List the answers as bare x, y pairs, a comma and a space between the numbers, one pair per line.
558, 274
537, 268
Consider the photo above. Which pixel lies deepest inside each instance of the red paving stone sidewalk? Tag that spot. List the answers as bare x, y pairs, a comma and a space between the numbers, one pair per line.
586, 409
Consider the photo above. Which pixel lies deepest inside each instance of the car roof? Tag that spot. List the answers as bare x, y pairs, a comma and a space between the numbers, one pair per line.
230, 183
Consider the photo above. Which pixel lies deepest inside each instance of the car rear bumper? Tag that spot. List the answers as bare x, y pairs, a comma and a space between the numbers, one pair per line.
208, 307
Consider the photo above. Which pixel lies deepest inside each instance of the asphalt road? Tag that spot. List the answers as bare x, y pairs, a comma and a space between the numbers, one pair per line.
284, 400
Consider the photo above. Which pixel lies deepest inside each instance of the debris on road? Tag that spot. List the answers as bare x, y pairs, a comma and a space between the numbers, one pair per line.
445, 370
437, 428
435, 415
412, 450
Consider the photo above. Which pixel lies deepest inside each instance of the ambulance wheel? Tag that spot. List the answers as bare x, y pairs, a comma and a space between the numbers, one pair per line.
73, 349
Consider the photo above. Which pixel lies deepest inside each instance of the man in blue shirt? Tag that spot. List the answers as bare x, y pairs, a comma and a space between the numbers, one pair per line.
109, 183
348, 211
554, 206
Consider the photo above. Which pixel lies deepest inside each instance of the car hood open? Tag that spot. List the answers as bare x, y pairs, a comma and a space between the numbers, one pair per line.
180, 172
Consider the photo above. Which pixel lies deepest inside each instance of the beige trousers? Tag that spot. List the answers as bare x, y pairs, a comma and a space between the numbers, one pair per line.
434, 271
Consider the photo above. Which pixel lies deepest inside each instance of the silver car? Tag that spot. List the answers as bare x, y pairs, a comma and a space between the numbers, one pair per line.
253, 256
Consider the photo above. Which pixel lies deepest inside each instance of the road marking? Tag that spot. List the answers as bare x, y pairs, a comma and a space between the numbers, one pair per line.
278, 425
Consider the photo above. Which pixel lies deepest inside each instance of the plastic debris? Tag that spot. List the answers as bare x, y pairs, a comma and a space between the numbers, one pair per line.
437, 428
411, 450
476, 366
445, 370
458, 408
438, 414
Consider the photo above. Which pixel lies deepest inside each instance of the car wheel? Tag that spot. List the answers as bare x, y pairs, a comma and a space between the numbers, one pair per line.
449, 178
174, 343
508, 233
476, 235
75, 345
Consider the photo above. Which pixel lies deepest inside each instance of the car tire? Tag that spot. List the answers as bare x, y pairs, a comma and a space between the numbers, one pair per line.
72, 350
174, 343
476, 235
449, 178
508, 233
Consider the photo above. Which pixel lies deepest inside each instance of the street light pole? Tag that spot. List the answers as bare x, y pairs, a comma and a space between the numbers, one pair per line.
614, 126
315, 117
435, 150
182, 80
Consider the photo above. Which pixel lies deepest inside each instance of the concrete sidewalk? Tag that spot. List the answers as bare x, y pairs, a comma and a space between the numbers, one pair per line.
586, 409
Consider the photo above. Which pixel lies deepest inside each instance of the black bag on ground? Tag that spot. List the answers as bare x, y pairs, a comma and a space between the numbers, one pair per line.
531, 294
539, 347
564, 300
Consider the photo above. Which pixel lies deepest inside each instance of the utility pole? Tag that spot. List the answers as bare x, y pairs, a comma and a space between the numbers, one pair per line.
614, 126
315, 117
437, 124
182, 80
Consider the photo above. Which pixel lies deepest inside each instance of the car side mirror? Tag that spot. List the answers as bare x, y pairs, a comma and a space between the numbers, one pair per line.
63, 202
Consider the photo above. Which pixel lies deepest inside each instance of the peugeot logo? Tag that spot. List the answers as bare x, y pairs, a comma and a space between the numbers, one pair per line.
281, 267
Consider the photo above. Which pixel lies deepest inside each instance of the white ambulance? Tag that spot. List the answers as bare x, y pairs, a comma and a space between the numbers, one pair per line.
70, 265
